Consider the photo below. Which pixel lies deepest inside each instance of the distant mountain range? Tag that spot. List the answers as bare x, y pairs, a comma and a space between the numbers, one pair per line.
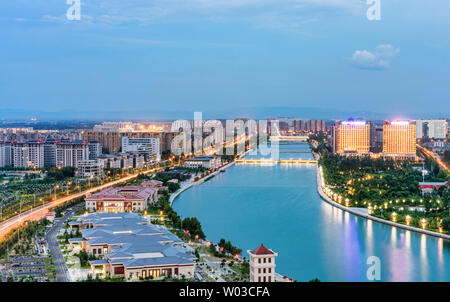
244, 112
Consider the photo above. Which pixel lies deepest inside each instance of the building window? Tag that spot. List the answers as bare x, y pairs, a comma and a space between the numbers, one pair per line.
259, 260
269, 260
264, 279
270, 270
259, 271
270, 279
264, 260
259, 279
264, 271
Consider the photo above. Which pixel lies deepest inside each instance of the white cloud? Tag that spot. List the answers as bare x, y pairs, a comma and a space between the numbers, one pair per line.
380, 59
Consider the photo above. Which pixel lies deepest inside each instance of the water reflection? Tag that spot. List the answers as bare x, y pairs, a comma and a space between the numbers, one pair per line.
393, 236
279, 206
423, 257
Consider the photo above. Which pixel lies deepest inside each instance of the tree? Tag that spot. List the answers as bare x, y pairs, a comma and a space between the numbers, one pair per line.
173, 187
446, 224
194, 227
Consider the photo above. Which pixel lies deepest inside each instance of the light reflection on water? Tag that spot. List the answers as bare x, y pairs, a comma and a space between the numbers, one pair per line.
279, 205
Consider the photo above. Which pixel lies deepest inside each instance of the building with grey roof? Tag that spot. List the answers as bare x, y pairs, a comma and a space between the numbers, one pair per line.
127, 245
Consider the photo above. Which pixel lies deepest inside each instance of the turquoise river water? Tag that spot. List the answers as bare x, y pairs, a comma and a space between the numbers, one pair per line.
278, 205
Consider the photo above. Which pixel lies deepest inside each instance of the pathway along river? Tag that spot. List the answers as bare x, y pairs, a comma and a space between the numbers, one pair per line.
279, 206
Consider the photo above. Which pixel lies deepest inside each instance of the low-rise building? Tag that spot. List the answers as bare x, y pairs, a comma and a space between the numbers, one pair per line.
89, 168
207, 162
128, 246
122, 199
428, 187
129, 160
262, 264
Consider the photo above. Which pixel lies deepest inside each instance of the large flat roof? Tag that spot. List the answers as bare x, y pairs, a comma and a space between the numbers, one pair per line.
133, 241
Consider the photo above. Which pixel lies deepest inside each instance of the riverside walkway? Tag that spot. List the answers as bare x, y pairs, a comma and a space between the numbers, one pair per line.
363, 212
280, 161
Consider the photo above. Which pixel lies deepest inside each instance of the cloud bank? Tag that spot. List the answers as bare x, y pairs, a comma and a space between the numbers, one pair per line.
380, 59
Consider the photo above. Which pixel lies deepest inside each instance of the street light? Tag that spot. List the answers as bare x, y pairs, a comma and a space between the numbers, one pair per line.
408, 219
394, 217
424, 223
56, 187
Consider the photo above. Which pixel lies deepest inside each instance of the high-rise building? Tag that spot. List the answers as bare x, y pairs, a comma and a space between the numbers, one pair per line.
95, 150
436, 129
376, 138
399, 139
309, 125
69, 154
27, 154
5, 154
112, 141
149, 146
299, 125
351, 137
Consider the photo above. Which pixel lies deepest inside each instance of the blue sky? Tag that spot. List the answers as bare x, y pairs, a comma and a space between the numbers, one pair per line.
144, 55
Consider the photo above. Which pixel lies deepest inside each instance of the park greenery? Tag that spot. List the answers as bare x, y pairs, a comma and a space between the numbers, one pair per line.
446, 157
61, 208
21, 240
389, 189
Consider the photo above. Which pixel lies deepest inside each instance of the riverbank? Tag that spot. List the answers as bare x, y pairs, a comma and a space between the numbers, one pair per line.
363, 212
184, 187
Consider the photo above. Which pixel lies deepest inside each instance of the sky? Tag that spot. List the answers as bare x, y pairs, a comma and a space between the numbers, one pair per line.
144, 56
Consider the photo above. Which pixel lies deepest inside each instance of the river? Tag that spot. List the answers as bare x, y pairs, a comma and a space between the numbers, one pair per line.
278, 205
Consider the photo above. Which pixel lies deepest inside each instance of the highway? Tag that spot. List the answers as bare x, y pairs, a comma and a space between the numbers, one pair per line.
39, 212
434, 156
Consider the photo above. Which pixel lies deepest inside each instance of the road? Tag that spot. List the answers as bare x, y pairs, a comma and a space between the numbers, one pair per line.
435, 157
62, 273
39, 212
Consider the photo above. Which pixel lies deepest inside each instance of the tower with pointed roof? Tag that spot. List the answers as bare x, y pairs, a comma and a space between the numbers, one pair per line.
262, 264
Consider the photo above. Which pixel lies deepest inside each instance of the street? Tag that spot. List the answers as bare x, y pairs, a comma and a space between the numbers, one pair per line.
39, 212
62, 274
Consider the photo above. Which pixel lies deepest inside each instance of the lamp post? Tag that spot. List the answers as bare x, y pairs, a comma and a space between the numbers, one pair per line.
408, 219
56, 187
424, 223
67, 187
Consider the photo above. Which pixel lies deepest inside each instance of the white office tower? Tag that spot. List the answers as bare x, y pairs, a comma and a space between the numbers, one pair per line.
436, 129
149, 146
